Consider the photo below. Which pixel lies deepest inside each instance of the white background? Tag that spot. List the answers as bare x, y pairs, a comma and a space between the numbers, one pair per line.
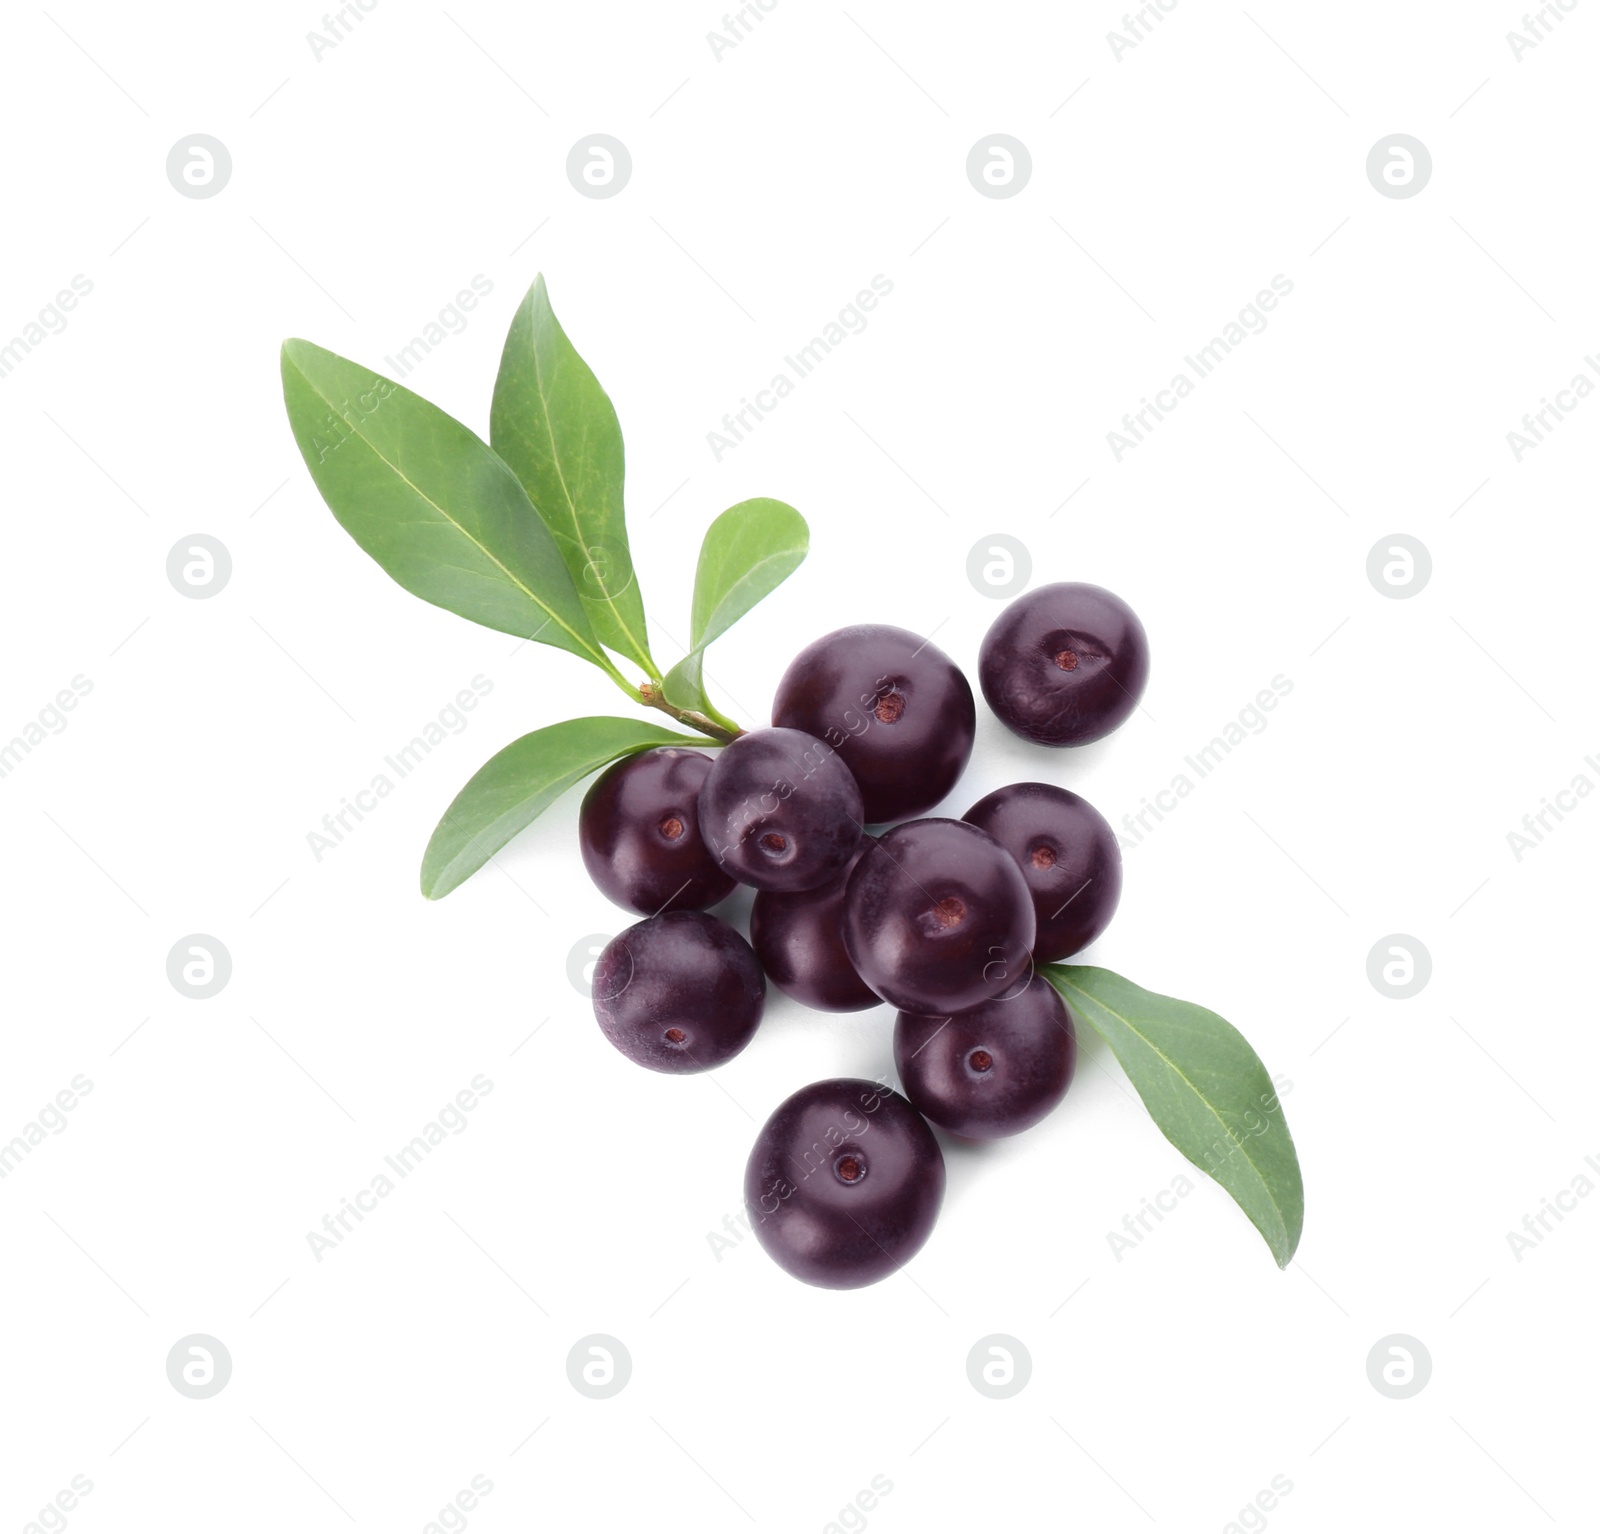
768, 187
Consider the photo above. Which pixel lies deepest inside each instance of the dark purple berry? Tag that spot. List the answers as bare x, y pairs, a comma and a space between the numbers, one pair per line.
844, 1183
779, 810
1068, 854
1065, 664
639, 830
938, 917
896, 708
799, 939
678, 993
993, 1071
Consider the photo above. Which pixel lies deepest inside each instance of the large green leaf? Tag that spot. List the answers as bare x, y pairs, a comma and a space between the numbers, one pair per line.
518, 784
427, 499
1205, 1087
553, 423
749, 551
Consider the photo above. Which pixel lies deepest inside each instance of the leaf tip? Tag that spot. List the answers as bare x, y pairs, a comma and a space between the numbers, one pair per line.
435, 883
433, 878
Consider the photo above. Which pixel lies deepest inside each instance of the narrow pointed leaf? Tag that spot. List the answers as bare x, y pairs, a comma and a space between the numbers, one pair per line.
429, 500
748, 552
516, 785
556, 427
1206, 1088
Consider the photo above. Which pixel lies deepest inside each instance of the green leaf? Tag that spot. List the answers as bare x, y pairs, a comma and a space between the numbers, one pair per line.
684, 687
747, 553
1206, 1088
518, 784
553, 423
428, 500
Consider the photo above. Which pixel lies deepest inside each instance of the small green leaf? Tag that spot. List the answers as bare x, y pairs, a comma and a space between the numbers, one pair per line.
427, 499
748, 552
553, 423
518, 784
1206, 1088
684, 687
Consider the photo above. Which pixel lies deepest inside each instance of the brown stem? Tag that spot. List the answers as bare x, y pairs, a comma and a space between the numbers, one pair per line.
651, 696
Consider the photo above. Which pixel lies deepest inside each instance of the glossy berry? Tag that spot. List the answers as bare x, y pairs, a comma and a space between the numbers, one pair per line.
938, 917
1065, 664
1068, 854
639, 831
779, 810
895, 707
844, 1183
678, 993
993, 1071
799, 939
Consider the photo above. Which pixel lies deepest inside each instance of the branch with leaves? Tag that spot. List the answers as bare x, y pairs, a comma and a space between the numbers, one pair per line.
527, 534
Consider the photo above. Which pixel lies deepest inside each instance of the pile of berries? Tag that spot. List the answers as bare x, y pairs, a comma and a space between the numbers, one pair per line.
943, 919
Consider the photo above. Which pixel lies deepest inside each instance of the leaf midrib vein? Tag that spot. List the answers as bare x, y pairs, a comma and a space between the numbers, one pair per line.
607, 601
776, 557
427, 499
1182, 1076
471, 842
